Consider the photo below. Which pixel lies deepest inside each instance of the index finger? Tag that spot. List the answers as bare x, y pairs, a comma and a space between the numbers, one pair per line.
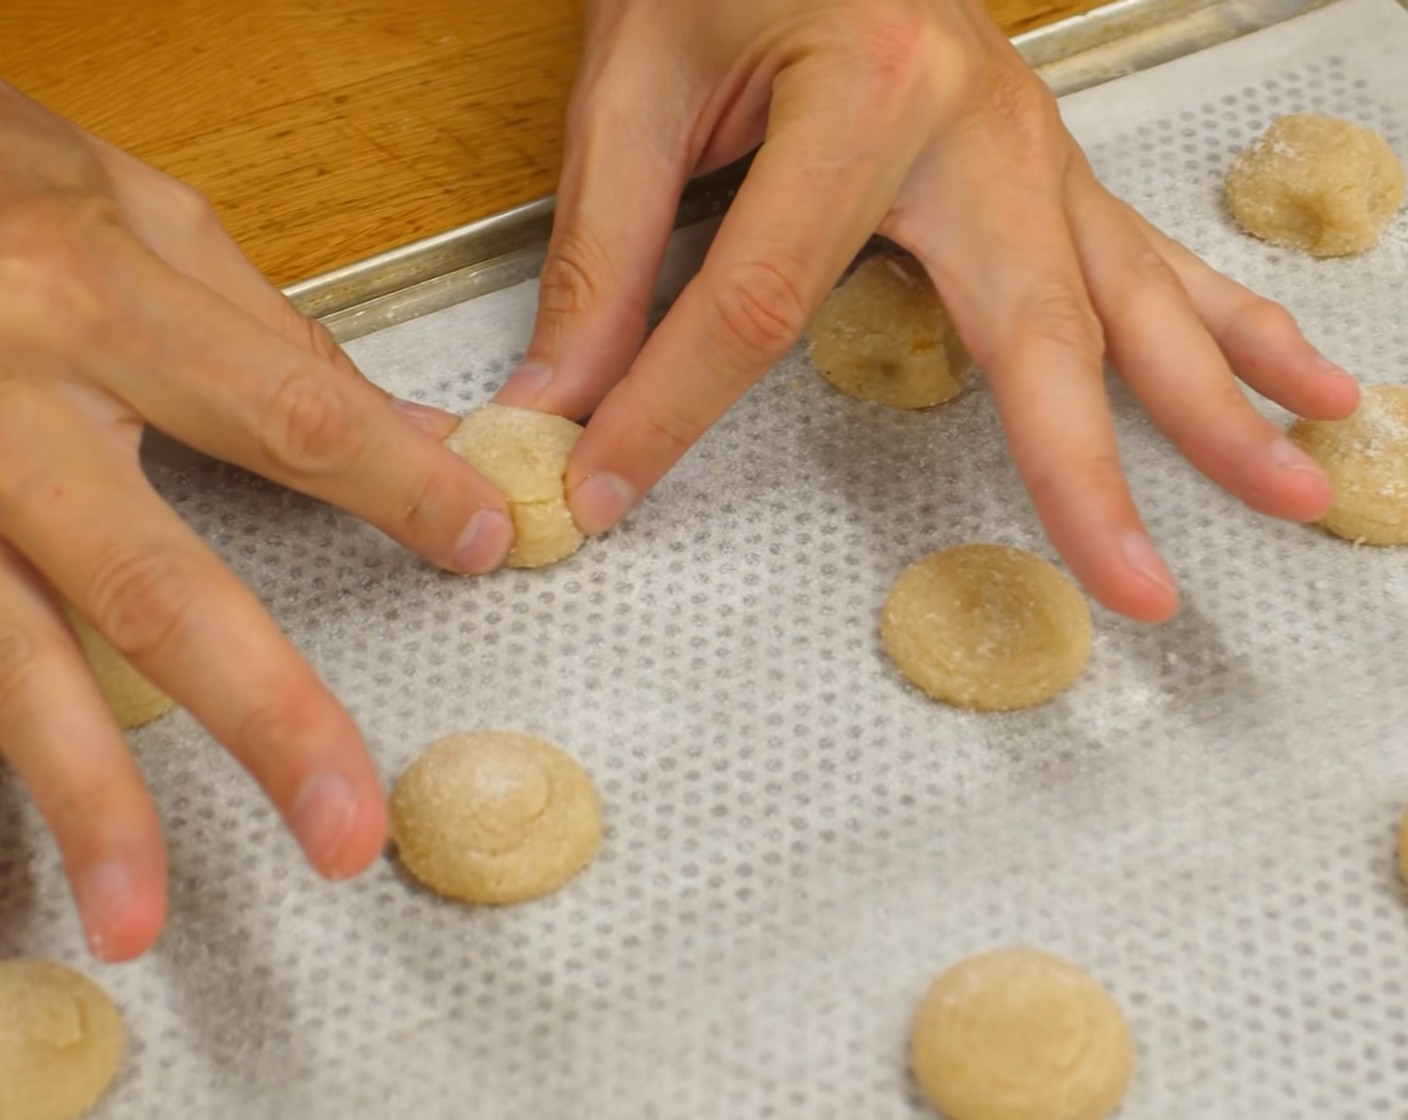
817, 188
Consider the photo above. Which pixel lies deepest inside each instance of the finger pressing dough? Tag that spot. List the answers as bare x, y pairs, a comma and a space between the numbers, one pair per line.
524, 454
1324, 185
132, 698
1018, 1034
884, 336
1366, 459
495, 817
61, 1041
987, 627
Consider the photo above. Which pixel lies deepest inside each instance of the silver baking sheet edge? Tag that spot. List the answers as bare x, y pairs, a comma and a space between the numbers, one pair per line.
506, 248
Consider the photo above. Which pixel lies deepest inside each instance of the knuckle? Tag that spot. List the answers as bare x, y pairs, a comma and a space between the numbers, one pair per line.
290, 719
1057, 316
670, 430
1015, 96
761, 310
140, 598
894, 44
56, 259
575, 276
422, 517
1146, 277
1063, 483
306, 426
1263, 318
20, 661
190, 208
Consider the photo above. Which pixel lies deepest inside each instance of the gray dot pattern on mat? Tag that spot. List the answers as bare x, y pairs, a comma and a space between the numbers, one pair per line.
797, 841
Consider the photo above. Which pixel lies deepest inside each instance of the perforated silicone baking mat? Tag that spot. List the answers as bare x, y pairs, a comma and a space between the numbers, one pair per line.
798, 842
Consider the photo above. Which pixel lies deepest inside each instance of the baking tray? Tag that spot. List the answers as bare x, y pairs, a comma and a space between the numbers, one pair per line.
506, 248
797, 841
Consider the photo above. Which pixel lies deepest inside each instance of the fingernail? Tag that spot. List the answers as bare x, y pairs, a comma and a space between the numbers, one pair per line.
484, 543
104, 892
322, 818
436, 421
527, 381
1289, 457
1140, 555
601, 501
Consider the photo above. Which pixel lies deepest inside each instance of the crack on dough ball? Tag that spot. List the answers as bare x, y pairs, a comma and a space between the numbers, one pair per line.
883, 335
1327, 186
524, 453
61, 1041
132, 699
987, 627
1366, 460
1019, 1034
494, 817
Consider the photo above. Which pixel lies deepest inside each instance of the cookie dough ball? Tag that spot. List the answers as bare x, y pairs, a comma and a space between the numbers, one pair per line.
987, 627
1327, 186
495, 817
884, 336
1366, 459
132, 698
1018, 1034
61, 1041
524, 453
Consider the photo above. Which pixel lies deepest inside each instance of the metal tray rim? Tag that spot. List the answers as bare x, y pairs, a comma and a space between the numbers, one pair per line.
502, 249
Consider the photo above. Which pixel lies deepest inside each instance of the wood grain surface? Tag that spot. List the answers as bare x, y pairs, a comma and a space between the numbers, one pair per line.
328, 130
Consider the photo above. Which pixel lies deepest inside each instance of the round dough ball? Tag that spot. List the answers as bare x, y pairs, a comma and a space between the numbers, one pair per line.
132, 698
1366, 459
987, 627
1327, 186
524, 454
61, 1041
884, 336
1018, 1034
495, 817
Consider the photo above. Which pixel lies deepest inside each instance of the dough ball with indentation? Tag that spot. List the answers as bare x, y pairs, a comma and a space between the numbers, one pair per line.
495, 817
61, 1041
524, 454
883, 335
1324, 185
988, 627
1366, 459
1019, 1034
132, 698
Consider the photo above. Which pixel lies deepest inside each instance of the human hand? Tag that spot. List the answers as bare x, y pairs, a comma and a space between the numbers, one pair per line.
124, 303
917, 119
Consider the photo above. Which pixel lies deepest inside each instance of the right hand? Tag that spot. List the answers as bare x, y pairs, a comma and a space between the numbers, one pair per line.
124, 303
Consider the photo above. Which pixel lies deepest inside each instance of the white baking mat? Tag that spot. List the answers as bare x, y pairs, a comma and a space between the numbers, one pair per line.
797, 841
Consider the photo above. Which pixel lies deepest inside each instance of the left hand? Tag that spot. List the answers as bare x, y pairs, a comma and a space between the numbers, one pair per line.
916, 118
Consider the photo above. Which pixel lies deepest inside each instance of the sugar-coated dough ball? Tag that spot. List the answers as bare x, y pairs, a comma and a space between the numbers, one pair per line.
1327, 186
1366, 459
884, 336
132, 698
524, 454
1018, 1034
988, 627
61, 1041
495, 817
